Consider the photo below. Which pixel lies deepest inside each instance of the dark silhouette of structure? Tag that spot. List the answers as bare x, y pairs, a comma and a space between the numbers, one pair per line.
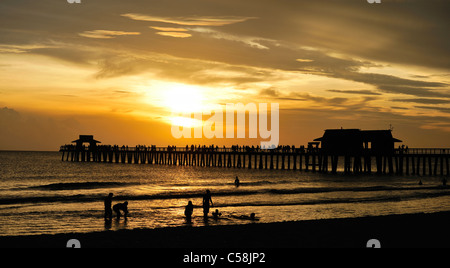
355, 141
79, 150
357, 148
86, 139
357, 144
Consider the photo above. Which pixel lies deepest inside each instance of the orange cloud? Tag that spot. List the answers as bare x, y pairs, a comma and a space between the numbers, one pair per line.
190, 21
106, 34
169, 29
175, 34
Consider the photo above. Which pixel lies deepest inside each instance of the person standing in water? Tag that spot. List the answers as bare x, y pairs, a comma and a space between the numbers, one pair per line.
206, 203
237, 182
108, 209
189, 211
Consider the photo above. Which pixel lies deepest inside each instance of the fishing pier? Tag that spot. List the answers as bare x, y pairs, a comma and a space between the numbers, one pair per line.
400, 161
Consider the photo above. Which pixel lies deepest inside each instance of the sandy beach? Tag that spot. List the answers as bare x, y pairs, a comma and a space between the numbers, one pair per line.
413, 230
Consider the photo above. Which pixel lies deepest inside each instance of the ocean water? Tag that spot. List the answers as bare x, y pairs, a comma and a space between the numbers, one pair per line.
40, 194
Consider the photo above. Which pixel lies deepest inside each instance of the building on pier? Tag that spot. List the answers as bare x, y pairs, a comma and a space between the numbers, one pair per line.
356, 142
89, 139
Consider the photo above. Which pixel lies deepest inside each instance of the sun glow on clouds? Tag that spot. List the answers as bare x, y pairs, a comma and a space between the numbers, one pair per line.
106, 34
175, 34
178, 101
181, 98
172, 32
190, 21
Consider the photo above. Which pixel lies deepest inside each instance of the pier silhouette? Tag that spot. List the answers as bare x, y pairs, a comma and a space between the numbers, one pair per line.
363, 152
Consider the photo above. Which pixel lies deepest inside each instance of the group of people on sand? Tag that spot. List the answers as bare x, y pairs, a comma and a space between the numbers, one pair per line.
116, 208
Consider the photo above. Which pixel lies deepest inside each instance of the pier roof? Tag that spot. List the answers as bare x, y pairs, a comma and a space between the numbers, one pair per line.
87, 139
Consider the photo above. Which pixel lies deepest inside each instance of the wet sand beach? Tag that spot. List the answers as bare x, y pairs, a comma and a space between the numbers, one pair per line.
412, 230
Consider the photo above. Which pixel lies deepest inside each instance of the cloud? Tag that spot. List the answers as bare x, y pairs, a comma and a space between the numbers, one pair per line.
175, 34
22, 48
413, 91
172, 32
437, 126
356, 92
190, 21
106, 34
424, 101
247, 40
440, 109
169, 29
349, 69
304, 60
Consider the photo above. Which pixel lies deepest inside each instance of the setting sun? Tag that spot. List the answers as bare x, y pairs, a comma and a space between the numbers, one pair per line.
180, 98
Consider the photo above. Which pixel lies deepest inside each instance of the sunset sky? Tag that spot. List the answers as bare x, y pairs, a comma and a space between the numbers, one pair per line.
120, 69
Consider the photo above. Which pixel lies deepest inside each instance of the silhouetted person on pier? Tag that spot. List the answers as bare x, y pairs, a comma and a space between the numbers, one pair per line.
121, 206
206, 203
189, 210
237, 182
108, 210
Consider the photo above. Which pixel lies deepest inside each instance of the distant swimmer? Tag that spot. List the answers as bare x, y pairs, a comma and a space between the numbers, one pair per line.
189, 210
252, 217
237, 182
216, 214
108, 210
121, 206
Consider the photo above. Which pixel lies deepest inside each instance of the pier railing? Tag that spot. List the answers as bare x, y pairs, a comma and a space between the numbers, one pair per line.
415, 151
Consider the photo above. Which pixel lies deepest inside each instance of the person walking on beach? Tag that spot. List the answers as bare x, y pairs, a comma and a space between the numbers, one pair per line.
189, 211
206, 201
121, 206
237, 182
108, 209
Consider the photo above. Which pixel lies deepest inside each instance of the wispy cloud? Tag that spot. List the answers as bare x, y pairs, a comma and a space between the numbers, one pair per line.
440, 109
250, 41
190, 21
169, 29
106, 34
304, 60
175, 34
22, 48
424, 101
357, 92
